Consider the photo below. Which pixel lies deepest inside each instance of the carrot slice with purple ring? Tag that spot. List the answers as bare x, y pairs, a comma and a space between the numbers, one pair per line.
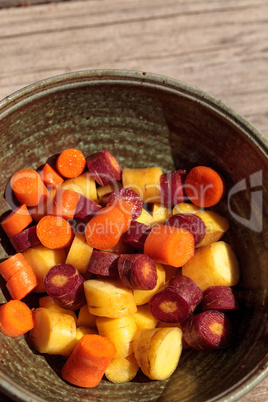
104, 168
190, 222
171, 184
25, 239
137, 271
103, 263
65, 284
208, 330
176, 300
221, 298
136, 235
130, 197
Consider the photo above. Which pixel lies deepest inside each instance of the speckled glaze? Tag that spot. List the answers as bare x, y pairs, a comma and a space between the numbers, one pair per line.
144, 120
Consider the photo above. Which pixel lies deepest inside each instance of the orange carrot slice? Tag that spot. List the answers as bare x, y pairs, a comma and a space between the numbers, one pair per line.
16, 318
87, 363
11, 265
204, 186
27, 186
169, 245
64, 203
16, 221
54, 232
71, 163
22, 282
50, 177
104, 230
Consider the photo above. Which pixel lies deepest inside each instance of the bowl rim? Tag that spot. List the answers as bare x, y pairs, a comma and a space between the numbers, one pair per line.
135, 77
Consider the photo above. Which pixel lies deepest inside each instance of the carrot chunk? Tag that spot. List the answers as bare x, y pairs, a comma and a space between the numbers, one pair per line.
104, 230
22, 282
104, 168
27, 187
16, 221
54, 232
204, 186
87, 363
11, 265
16, 318
169, 245
71, 163
50, 177
64, 204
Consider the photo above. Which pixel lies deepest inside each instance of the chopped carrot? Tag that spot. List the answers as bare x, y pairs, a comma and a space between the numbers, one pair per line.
16, 221
71, 163
41, 208
22, 282
169, 245
64, 203
50, 177
11, 265
88, 361
27, 186
204, 186
16, 318
104, 230
54, 232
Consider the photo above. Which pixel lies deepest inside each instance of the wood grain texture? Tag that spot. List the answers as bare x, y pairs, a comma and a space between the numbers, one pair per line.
220, 46
217, 45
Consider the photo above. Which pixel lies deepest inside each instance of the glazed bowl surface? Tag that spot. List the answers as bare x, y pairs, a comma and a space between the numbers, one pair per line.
147, 120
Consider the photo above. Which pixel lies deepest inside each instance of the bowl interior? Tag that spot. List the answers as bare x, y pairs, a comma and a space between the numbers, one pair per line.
146, 120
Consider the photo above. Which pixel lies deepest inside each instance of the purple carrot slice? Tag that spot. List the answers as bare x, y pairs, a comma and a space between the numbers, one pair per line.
176, 300
137, 271
221, 298
208, 330
190, 222
171, 184
25, 239
136, 235
104, 263
86, 209
104, 168
130, 197
66, 285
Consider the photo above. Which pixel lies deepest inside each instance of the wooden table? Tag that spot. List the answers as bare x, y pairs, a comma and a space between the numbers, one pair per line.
220, 46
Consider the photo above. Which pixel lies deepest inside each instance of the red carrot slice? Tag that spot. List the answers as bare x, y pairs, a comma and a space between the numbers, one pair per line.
208, 330
65, 284
22, 282
25, 239
87, 363
137, 271
27, 186
169, 245
11, 265
86, 209
54, 232
172, 187
130, 197
190, 222
103, 263
204, 186
64, 203
176, 300
71, 163
220, 298
16, 318
50, 177
136, 235
104, 168
16, 221
104, 230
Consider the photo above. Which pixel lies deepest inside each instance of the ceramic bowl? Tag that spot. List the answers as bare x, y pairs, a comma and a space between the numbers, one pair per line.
147, 120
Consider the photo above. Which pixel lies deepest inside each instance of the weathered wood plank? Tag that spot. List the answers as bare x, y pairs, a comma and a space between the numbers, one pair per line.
26, 3
219, 46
